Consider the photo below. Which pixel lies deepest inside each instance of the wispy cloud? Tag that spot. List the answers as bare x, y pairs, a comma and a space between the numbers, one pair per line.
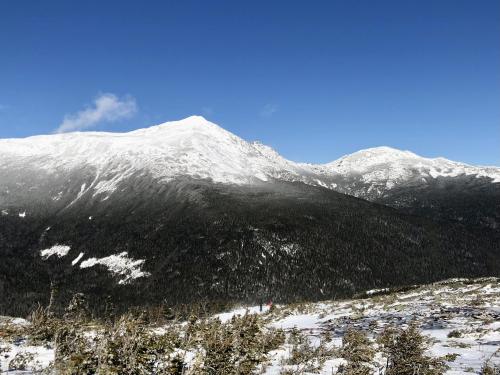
268, 110
106, 108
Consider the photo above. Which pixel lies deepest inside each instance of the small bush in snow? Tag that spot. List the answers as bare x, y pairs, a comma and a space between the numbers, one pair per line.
488, 369
305, 357
405, 350
358, 351
22, 361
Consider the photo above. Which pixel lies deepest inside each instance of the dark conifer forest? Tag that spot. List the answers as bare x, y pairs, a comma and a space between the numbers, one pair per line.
206, 242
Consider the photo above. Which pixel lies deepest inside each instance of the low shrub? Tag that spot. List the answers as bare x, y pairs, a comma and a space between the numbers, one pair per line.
358, 351
405, 350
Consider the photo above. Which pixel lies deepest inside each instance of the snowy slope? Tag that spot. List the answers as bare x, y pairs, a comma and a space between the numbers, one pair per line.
388, 167
191, 147
199, 149
459, 319
467, 308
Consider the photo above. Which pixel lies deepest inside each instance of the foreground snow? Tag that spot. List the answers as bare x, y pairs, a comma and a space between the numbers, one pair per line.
461, 318
471, 312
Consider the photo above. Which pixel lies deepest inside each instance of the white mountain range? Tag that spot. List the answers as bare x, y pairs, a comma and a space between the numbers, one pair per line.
200, 149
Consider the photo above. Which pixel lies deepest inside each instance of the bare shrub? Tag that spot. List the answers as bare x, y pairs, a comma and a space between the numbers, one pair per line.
43, 326
21, 361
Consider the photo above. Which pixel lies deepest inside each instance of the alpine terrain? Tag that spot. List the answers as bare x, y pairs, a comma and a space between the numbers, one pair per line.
185, 212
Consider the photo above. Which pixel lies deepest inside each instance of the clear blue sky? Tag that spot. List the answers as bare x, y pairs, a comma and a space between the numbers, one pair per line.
313, 79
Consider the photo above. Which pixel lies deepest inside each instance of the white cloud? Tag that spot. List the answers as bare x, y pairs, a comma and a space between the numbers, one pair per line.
106, 108
268, 110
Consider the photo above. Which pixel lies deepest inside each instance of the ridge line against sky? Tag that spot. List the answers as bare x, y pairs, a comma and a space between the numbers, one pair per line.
313, 81
116, 110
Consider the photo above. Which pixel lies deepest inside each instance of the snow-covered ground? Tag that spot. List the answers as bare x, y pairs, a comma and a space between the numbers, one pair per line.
38, 357
459, 317
470, 311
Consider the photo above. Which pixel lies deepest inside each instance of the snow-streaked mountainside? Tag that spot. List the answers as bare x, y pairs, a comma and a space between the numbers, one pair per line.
381, 163
199, 149
190, 212
191, 147
383, 168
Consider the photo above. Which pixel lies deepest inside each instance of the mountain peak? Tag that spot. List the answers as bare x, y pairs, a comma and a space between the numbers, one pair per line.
194, 120
390, 166
200, 149
382, 151
370, 157
192, 123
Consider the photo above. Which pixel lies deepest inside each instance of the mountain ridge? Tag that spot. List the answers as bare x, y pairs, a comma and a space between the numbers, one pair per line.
201, 149
56, 171
199, 122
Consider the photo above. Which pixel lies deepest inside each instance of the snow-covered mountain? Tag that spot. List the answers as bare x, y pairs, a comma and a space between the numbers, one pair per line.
103, 162
188, 211
199, 149
374, 172
193, 146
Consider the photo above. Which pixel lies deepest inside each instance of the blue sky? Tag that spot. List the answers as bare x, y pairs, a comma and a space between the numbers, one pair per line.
315, 80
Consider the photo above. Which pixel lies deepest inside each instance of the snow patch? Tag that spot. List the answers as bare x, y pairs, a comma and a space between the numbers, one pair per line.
43, 356
119, 264
58, 250
77, 259
58, 196
227, 316
376, 291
